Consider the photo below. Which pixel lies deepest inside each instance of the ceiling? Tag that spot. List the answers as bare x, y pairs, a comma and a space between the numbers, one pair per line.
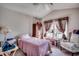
38, 10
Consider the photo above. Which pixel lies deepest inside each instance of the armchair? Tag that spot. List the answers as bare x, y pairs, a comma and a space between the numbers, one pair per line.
72, 45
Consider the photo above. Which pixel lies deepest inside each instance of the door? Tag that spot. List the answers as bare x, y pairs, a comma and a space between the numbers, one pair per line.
34, 30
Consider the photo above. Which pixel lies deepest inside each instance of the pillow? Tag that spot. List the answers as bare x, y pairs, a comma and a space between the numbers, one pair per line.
74, 38
77, 32
26, 36
9, 35
12, 41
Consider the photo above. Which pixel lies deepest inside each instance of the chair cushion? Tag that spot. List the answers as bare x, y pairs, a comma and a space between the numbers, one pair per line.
69, 46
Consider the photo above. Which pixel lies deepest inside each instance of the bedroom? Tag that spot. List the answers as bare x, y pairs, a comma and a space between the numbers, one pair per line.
19, 18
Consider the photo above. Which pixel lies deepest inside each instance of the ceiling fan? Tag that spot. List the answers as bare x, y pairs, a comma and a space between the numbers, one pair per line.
42, 3
47, 6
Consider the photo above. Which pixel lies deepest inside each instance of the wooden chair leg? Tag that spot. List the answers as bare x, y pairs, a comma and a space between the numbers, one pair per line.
11, 52
2, 54
6, 54
14, 53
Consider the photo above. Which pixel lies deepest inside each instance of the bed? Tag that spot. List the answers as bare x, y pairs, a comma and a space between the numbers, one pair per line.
33, 46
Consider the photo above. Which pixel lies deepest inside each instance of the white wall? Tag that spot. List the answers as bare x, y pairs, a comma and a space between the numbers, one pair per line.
19, 23
73, 17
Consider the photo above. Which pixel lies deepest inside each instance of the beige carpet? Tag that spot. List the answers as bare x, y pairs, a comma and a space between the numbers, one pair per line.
55, 52
19, 53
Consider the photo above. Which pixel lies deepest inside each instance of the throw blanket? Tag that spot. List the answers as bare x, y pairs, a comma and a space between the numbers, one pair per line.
6, 46
33, 47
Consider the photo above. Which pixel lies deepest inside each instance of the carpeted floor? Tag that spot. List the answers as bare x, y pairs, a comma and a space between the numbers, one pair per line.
55, 52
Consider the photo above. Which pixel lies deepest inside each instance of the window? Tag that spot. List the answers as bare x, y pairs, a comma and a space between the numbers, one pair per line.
54, 32
58, 28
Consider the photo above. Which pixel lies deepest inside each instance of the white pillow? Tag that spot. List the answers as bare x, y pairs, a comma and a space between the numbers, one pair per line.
75, 39
9, 35
12, 41
26, 36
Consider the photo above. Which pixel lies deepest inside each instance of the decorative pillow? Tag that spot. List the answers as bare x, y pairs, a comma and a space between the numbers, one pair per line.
74, 38
26, 36
11, 41
77, 32
10, 35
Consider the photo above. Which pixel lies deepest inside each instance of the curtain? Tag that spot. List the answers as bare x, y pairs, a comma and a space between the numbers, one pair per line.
61, 26
39, 33
47, 25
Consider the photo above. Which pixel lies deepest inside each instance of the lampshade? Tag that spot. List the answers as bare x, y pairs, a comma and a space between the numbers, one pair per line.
4, 30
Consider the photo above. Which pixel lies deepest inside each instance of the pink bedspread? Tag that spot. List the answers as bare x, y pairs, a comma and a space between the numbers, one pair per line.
33, 47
